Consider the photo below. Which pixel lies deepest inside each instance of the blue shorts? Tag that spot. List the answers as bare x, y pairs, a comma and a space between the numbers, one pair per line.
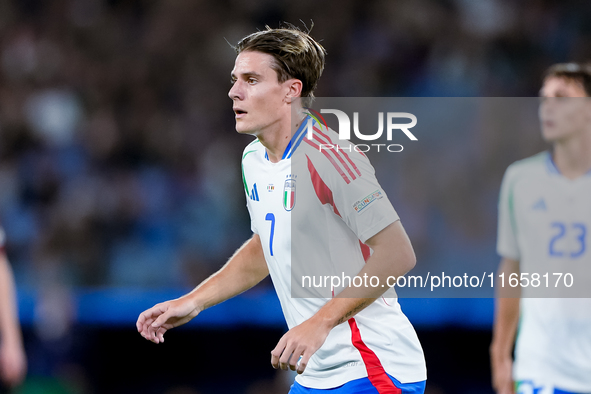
531, 387
363, 386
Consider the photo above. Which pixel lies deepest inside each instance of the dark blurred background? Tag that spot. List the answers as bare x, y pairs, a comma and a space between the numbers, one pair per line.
120, 175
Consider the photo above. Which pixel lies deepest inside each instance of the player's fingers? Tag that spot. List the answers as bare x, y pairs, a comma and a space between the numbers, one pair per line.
160, 334
147, 322
162, 318
295, 357
158, 327
148, 316
141, 321
301, 367
146, 328
276, 353
149, 313
152, 333
285, 356
145, 332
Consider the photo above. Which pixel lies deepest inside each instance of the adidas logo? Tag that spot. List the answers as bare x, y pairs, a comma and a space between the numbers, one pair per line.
254, 194
540, 205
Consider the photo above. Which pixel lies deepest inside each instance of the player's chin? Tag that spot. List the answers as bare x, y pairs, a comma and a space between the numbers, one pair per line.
241, 128
552, 136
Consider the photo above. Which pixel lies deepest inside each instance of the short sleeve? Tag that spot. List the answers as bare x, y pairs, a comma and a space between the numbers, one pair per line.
248, 150
507, 245
252, 223
360, 200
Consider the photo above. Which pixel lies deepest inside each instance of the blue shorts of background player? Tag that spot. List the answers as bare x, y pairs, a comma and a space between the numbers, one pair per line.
532, 387
362, 386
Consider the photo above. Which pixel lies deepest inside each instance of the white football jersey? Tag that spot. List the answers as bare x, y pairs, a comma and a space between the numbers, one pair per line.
313, 210
545, 221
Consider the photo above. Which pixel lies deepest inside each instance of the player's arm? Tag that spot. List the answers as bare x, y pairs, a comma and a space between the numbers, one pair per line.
504, 329
393, 255
13, 364
246, 268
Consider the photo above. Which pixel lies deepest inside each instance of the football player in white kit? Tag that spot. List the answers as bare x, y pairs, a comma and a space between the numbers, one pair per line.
545, 218
309, 208
13, 362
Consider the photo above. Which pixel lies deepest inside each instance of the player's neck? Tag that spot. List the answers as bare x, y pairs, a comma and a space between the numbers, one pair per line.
275, 140
572, 157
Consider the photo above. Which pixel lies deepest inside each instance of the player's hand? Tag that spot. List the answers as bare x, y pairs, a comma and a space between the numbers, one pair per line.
13, 363
154, 322
302, 340
502, 376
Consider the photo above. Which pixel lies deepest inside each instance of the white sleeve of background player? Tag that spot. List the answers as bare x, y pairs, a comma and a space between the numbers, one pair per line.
362, 203
507, 245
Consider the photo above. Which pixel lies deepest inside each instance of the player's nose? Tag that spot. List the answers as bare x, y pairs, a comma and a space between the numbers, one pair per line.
235, 92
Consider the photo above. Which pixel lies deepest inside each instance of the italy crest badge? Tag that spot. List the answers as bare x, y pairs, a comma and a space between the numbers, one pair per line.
289, 189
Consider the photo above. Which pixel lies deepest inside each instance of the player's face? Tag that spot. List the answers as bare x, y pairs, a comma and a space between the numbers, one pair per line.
564, 110
260, 101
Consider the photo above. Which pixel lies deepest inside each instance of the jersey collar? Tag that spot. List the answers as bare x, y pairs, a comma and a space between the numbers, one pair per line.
551, 166
295, 141
552, 169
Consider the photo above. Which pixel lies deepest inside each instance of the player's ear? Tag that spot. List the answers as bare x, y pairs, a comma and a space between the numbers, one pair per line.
294, 89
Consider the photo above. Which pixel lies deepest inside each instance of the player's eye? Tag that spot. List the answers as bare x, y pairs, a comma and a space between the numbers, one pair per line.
251, 81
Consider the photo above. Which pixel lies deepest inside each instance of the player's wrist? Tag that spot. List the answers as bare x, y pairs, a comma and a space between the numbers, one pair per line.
195, 302
324, 320
199, 306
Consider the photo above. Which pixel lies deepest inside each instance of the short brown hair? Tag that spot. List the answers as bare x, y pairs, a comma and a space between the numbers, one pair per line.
296, 54
575, 72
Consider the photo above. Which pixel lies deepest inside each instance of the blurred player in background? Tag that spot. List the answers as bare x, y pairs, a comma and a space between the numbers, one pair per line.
545, 215
13, 364
358, 342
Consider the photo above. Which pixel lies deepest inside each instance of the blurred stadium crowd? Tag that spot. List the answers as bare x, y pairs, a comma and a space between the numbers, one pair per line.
119, 164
